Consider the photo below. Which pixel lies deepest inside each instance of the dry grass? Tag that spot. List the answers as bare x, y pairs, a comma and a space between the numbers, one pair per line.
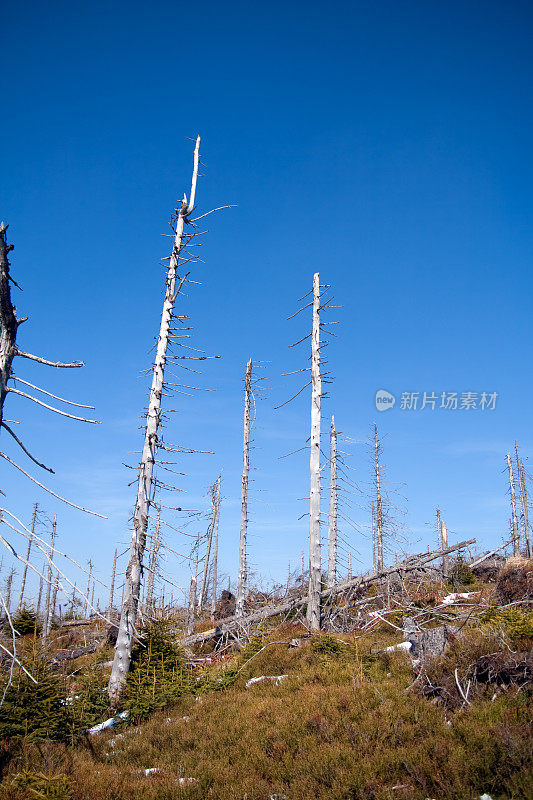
342, 726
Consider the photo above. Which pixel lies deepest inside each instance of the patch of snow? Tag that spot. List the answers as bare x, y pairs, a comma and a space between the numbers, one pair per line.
401, 646
276, 679
455, 596
151, 771
108, 723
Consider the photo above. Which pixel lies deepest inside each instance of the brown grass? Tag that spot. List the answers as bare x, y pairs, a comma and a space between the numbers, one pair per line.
343, 726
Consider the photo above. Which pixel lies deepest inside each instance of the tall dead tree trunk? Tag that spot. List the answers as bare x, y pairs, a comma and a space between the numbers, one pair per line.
112, 586
332, 520
215, 549
47, 621
9, 584
86, 604
9, 322
242, 575
130, 605
205, 574
53, 601
444, 547
153, 563
315, 564
525, 509
374, 549
25, 571
514, 518
379, 504
192, 605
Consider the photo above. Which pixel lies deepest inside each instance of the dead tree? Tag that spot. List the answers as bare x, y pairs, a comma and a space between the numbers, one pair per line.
242, 575
28, 553
514, 518
53, 601
9, 585
112, 586
130, 605
210, 532
379, 503
444, 547
523, 503
47, 621
9, 350
315, 563
214, 580
191, 611
333, 508
153, 563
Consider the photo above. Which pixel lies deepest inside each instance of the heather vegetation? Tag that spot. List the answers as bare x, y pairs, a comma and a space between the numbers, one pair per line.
291, 715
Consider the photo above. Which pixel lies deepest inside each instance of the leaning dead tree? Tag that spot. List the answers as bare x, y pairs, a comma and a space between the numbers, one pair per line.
242, 575
333, 508
152, 441
244, 625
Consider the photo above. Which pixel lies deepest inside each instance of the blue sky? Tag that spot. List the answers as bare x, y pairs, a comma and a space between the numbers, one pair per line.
385, 145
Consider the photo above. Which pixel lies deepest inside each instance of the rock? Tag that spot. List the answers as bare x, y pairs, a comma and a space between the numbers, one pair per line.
428, 643
226, 605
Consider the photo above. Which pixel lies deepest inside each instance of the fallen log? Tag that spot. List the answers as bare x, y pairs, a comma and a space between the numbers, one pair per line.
234, 623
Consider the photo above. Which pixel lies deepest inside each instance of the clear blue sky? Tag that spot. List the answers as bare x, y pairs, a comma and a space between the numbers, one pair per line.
386, 145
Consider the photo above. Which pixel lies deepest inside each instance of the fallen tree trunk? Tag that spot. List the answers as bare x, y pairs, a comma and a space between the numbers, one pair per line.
233, 623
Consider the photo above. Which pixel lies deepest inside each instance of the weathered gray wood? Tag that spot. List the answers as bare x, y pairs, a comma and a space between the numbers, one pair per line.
130, 604
332, 519
379, 503
315, 562
410, 564
215, 549
47, 620
112, 586
242, 574
25, 571
514, 518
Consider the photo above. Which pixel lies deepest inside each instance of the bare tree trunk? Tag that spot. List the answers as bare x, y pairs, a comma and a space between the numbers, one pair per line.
86, 604
112, 588
47, 621
379, 506
205, 575
9, 584
215, 550
349, 565
153, 564
39, 596
332, 521
374, 548
25, 571
315, 564
192, 605
242, 576
514, 518
10, 323
444, 547
52, 611
130, 605
525, 510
